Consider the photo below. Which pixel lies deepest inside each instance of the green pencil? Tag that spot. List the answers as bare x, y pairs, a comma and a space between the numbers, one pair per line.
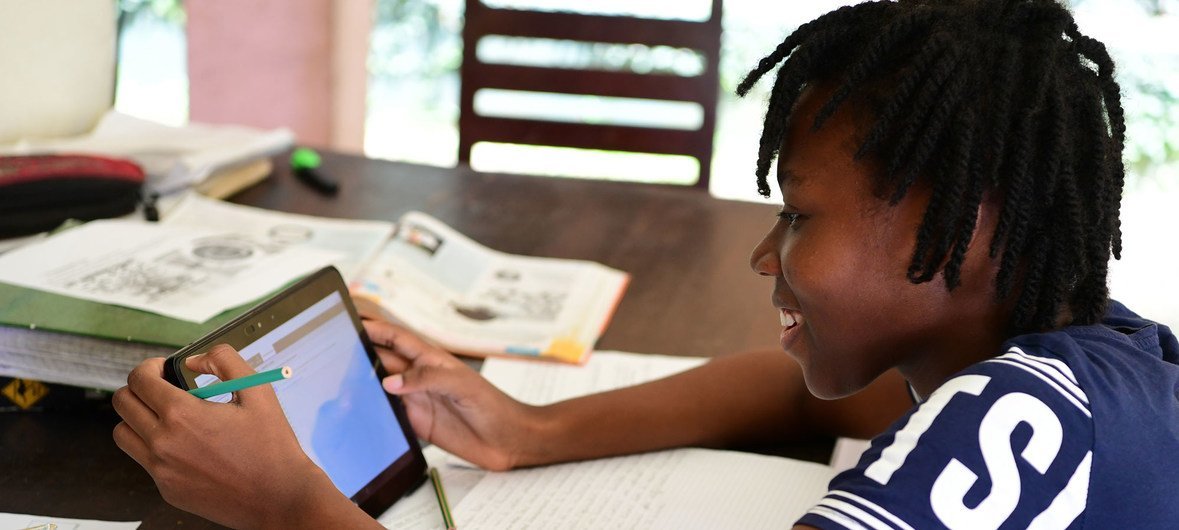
447, 517
241, 383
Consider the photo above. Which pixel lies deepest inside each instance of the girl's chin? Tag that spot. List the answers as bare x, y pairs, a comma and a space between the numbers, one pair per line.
827, 386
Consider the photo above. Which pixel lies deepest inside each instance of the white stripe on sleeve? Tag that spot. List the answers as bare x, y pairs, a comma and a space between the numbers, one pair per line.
1066, 381
856, 513
1058, 364
837, 518
872, 506
1040, 375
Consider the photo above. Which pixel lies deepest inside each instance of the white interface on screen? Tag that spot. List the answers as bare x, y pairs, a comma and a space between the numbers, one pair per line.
333, 399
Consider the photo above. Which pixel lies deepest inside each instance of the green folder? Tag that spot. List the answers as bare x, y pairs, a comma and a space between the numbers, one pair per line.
34, 309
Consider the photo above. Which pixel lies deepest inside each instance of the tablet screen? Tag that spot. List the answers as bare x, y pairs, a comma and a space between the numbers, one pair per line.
333, 400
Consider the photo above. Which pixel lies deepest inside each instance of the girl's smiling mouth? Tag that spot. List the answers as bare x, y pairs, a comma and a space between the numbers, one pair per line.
791, 322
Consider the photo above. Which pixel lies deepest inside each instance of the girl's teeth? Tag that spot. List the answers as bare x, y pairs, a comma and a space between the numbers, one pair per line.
788, 320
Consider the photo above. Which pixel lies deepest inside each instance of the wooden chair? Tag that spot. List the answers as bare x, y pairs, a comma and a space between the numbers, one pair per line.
704, 37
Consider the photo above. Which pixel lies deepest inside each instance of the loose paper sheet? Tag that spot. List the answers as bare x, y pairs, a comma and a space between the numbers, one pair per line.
17, 521
678, 489
531, 382
356, 241
180, 272
847, 453
543, 383
420, 510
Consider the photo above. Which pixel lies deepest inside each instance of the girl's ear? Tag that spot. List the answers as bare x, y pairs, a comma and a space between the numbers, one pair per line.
979, 268
987, 218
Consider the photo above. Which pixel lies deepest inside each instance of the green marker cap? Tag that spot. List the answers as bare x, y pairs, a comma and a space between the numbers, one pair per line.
304, 158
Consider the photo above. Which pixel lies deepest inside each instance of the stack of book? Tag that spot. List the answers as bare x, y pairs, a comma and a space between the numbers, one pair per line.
215, 160
62, 339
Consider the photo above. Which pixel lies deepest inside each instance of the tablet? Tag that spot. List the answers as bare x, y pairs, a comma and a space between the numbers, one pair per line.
344, 420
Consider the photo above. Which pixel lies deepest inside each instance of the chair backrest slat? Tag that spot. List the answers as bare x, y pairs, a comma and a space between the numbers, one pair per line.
605, 137
588, 82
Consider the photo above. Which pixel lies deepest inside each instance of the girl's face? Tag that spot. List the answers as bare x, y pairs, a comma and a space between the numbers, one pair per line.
839, 257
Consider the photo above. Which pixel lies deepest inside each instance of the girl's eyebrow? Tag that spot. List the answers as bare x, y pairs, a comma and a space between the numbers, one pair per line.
786, 176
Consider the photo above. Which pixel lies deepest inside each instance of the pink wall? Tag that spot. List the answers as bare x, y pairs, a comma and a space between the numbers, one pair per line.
265, 63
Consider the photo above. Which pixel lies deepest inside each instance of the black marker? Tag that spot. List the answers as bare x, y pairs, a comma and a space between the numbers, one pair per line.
305, 164
151, 211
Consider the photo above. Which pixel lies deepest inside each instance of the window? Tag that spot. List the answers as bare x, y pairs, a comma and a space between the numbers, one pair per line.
152, 76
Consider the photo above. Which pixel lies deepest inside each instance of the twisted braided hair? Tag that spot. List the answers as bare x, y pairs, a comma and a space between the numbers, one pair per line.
1002, 98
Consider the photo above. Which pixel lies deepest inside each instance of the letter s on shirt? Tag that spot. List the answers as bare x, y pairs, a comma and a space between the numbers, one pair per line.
955, 480
994, 437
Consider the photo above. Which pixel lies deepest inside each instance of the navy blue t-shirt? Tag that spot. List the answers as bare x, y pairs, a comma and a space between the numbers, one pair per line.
1077, 428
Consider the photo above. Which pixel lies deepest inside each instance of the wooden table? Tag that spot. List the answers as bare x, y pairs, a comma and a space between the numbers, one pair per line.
691, 293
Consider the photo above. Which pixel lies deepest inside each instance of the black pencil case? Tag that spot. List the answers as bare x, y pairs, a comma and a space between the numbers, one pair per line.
38, 193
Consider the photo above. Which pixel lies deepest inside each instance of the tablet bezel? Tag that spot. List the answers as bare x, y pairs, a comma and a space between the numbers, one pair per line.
396, 480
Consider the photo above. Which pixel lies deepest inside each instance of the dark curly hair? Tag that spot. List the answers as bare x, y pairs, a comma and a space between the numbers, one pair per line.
1000, 97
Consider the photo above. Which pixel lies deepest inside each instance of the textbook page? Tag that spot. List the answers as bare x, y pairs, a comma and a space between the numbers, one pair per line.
356, 241
678, 489
177, 271
543, 383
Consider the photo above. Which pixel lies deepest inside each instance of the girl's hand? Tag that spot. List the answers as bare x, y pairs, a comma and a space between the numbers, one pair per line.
454, 407
235, 463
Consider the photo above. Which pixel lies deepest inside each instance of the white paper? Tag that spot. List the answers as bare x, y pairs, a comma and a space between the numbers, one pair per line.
173, 158
16, 521
682, 488
678, 489
356, 241
17, 242
847, 453
69, 359
543, 383
419, 510
539, 383
180, 272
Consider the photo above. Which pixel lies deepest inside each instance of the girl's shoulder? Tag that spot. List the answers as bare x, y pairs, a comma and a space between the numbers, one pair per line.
1031, 437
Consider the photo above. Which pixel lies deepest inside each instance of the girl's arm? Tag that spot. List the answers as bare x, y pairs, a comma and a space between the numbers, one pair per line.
751, 398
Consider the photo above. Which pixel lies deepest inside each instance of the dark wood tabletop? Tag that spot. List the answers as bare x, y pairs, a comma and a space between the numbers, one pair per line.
691, 293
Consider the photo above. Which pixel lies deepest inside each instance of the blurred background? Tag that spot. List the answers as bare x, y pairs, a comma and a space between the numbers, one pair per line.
411, 107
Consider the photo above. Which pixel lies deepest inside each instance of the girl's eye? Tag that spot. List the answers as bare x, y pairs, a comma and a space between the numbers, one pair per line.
790, 217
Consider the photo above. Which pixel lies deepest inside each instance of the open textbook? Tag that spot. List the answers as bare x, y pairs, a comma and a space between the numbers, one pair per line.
473, 300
